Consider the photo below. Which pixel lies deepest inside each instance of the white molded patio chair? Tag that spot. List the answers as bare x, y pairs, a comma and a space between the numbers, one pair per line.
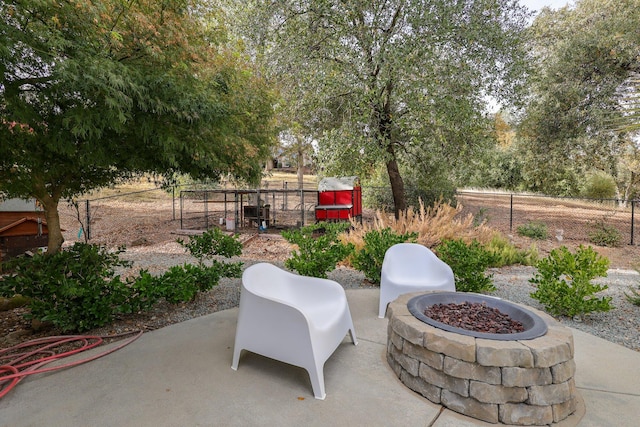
294, 319
411, 267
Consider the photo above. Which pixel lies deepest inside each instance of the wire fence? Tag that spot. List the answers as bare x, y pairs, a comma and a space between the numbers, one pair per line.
565, 218
241, 209
282, 205
187, 207
106, 218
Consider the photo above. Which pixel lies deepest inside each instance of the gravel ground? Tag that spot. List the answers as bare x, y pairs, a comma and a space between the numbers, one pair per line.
620, 325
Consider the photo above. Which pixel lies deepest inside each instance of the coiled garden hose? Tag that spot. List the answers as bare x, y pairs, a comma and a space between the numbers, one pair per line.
30, 357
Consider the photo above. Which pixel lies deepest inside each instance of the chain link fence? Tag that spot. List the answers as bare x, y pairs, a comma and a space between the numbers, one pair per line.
247, 209
576, 219
283, 205
105, 219
135, 216
564, 218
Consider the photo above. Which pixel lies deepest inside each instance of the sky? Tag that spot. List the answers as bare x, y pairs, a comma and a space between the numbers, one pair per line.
536, 5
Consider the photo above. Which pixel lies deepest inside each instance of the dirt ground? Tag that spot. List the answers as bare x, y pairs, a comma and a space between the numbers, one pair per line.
150, 223
569, 223
150, 227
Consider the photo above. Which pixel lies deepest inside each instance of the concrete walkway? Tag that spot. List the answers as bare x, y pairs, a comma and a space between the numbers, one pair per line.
181, 376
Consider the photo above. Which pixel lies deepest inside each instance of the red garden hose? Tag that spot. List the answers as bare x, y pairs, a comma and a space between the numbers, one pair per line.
29, 357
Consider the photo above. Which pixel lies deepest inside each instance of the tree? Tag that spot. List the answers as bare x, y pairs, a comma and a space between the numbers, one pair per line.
298, 146
403, 83
585, 57
93, 92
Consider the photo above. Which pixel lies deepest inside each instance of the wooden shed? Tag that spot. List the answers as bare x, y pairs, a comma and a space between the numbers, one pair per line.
22, 227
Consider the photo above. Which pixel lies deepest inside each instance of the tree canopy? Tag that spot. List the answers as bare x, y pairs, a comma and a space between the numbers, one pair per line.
586, 61
93, 91
398, 83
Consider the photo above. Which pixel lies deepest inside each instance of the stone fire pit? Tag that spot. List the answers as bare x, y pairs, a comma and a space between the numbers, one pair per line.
526, 381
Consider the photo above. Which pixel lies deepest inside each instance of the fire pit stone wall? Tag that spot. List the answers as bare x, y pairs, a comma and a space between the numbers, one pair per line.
527, 382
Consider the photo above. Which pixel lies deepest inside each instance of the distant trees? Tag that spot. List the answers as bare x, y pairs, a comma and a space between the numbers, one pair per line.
92, 92
400, 84
581, 116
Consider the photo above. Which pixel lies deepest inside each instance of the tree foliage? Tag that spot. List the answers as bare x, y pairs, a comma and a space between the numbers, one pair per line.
399, 83
93, 91
585, 57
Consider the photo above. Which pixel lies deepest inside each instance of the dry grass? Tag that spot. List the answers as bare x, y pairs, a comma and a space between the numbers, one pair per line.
146, 187
142, 189
433, 225
276, 179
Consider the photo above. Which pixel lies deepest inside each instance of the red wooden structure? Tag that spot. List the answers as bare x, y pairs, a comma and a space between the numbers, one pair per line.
22, 228
339, 199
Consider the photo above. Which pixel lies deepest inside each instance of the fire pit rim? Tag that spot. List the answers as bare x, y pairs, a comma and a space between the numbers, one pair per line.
536, 326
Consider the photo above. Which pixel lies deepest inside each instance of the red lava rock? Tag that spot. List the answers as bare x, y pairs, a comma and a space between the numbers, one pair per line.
476, 317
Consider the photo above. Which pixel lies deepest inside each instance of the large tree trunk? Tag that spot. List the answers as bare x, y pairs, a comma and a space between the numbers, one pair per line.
385, 126
397, 183
53, 224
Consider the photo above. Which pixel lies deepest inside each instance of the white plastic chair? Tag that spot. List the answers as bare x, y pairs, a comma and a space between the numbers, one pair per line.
411, 267
294, 319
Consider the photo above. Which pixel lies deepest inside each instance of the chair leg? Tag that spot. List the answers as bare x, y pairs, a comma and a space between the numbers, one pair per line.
352, 332
316, 375
236, 358
382, 309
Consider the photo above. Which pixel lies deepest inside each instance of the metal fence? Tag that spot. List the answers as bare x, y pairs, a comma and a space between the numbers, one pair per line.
105, 218
187, 208
565, 218
247, 209
139, 213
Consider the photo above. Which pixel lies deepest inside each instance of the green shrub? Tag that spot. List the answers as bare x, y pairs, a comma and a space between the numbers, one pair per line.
534, 230
75, 289
599, 185
210, 243
142, 294
480, 217
181, 283
605, 235
634, 296
319, 249
564, 283
469, 264
634, 293
376, 242
506, 253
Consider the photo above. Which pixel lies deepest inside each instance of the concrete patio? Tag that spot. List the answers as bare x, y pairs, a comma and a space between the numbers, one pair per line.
181, 376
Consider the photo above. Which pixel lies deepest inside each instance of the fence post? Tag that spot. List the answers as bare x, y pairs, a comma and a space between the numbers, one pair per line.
633, 206
173, 201
273, 203
181, 209
302, 206
87, 232
236, 214
258, 207
511, 213
285, 200
206, 210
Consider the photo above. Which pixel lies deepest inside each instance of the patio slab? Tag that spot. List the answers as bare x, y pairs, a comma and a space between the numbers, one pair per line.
181, 375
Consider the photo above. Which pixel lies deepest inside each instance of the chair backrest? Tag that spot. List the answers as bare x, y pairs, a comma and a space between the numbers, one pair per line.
411, 257
268, 281
271, 282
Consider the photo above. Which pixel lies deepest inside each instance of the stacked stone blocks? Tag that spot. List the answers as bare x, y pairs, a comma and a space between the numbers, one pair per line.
527, 382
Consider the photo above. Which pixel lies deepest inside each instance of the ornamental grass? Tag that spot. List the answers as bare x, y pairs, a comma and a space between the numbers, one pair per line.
433, 224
